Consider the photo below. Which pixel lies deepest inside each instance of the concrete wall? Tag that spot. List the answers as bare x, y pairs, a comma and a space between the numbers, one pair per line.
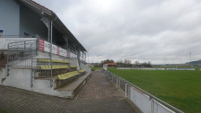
31, 23
20, 78
9, 17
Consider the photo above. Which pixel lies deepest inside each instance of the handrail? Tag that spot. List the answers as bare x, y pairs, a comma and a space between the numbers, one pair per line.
23, 45
20, 50
16, 36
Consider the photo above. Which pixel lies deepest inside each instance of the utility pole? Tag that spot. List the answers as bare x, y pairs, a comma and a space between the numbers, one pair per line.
190, 56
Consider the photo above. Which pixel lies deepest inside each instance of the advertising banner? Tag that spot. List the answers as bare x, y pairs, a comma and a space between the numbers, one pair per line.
54, 49
5, 41
63, 52
41, 44
58, 50
45, 46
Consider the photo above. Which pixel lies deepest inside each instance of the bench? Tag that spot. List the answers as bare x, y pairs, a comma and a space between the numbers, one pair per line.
67, 75
82, 71
55, 61
73, 66
66, 78
47, 67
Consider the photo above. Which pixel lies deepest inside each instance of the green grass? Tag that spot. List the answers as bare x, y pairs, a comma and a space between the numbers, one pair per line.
3, 111
181, 89
95, 68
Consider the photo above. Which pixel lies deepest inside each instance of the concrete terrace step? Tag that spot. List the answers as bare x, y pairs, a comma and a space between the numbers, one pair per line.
74, 86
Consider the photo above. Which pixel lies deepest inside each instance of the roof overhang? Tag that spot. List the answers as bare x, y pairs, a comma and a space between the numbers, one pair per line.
43, 11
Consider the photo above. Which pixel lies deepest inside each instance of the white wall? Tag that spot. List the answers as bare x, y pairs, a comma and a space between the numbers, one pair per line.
9, 17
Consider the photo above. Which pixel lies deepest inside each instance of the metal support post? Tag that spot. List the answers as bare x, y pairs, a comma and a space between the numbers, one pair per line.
78, 57
51, 79
152, 105
31, 83
51, 55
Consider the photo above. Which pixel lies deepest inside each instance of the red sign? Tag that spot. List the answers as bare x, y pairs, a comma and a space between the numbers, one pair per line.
58, 51
45, 46
41, 44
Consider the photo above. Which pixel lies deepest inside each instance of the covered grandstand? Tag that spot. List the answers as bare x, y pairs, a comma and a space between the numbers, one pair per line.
38, 52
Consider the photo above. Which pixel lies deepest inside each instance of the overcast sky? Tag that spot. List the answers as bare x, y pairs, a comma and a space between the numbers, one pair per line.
160, 31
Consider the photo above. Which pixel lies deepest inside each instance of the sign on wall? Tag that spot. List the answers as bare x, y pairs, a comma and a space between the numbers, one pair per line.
41, 45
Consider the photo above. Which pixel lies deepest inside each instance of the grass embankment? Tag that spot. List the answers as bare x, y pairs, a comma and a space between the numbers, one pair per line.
179, 88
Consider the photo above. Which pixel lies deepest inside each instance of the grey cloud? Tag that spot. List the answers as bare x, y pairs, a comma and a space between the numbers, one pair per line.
156, 30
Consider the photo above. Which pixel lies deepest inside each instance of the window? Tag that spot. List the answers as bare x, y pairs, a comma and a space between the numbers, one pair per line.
1, 33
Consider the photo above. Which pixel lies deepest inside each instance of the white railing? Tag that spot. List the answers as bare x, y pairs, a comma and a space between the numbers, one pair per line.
146, 102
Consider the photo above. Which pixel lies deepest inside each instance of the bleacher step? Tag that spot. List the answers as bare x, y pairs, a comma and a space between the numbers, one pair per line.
75, 85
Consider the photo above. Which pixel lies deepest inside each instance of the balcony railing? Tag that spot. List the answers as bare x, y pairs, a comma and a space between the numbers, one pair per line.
21, 43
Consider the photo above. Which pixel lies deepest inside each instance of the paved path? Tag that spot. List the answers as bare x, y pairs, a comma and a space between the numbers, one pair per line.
97, 96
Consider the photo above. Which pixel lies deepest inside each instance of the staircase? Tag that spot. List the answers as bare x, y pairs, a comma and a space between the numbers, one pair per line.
18, 52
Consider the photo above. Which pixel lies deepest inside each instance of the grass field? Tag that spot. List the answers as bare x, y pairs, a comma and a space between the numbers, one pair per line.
95, 68
181, 89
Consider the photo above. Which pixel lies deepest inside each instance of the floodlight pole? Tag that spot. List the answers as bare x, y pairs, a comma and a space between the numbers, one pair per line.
190, 56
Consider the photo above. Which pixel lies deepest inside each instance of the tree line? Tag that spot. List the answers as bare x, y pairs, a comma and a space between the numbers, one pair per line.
125, 63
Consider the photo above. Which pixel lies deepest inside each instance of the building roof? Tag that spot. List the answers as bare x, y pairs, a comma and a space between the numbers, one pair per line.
43, 11
112, 64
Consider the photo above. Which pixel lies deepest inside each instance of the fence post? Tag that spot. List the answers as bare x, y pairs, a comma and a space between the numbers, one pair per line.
112, 77
152, 105
119, 82
126, 89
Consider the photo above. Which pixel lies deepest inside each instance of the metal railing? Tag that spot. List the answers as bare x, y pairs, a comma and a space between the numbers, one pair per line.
21, 51
146, 102
21, 54
23, 45
17, 36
